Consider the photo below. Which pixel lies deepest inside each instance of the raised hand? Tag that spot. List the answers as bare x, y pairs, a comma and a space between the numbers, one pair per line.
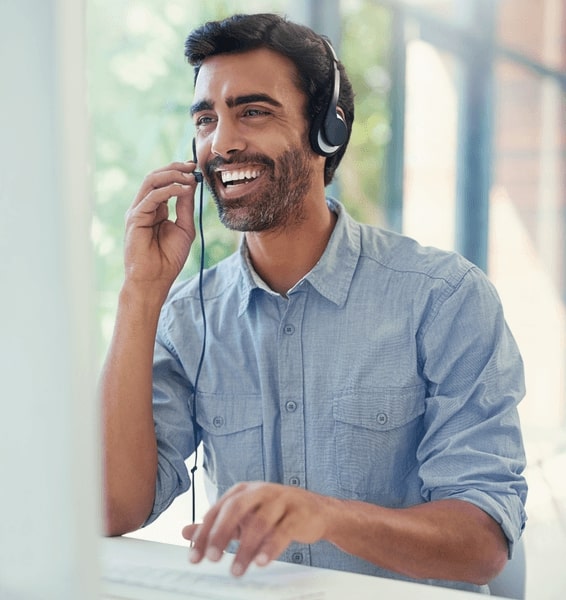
156, 247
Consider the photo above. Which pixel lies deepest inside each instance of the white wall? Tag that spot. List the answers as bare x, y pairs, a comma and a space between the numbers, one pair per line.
48, 421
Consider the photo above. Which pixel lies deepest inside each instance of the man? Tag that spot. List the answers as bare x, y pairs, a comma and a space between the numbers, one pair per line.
356, 403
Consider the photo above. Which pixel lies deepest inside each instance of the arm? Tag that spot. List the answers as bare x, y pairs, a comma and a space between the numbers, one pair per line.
155, 251
444, 539
470, 468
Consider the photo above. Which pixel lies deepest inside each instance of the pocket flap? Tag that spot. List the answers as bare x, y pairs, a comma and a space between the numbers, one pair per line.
380, 409
223, 414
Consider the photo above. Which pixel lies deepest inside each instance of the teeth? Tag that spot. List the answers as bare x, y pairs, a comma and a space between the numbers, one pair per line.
241, 175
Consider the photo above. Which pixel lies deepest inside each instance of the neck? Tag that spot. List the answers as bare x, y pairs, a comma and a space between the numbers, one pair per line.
283, 257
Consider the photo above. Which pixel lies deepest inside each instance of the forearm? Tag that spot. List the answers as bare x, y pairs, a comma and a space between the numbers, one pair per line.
156, 249
130, 450
446, 539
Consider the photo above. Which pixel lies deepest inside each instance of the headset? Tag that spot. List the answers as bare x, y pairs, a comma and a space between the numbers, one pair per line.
329, 131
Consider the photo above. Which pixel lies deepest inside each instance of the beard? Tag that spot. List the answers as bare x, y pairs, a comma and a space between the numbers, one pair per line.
278, 204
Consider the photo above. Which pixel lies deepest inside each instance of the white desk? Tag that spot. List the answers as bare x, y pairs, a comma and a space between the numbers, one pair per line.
133, 568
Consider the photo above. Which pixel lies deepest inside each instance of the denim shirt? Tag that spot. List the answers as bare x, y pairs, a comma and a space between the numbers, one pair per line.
387, 375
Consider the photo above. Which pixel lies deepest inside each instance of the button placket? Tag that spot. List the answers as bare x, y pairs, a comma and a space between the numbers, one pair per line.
290, 369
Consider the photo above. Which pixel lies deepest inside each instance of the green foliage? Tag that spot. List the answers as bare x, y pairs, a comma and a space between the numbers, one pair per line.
364, 48
140, 88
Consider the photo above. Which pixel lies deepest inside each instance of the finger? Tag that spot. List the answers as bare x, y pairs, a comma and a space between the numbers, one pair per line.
189, 531
184, 208
232, 520
272, 547
181, 173
221, 524
198, 534
257, 529
157, 199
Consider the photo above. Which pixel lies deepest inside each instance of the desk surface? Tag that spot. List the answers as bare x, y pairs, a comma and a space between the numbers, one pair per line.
136, 569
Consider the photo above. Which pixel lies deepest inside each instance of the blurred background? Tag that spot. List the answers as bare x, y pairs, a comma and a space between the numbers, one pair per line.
459, 141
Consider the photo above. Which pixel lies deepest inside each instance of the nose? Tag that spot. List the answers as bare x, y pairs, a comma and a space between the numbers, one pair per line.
227, 138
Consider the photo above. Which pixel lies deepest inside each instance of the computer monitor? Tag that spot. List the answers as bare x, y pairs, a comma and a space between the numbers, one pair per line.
49, 503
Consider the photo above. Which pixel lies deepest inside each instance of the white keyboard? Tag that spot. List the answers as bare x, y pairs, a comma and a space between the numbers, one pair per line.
133, 582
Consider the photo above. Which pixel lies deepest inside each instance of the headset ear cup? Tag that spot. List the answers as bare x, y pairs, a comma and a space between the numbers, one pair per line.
329, 130
328, 133
315, 134
335, 130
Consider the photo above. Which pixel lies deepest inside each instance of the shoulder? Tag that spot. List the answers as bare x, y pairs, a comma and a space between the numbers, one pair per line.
217, 281
402, 255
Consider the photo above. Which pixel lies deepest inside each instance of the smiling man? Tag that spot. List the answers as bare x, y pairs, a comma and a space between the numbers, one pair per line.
356, 404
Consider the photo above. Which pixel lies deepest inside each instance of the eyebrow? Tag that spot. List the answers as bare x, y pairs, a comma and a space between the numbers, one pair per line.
231, 102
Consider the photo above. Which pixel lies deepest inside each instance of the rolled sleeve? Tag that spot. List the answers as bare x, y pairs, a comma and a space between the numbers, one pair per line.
172, 394
473, 448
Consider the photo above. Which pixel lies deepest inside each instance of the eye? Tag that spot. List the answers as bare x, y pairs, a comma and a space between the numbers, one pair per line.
204, 120
255, 112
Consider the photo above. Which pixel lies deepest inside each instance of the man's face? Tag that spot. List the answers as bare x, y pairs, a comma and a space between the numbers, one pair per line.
251, 137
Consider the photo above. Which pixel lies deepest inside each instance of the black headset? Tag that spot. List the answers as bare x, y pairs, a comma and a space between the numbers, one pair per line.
329, 131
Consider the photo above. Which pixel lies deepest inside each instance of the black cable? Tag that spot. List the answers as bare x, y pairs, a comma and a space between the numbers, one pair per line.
203, 349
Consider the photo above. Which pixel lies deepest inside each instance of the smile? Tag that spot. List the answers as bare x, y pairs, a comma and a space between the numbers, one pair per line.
239, 176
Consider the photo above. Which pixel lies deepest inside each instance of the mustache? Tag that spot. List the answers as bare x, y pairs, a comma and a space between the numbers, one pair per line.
236, 159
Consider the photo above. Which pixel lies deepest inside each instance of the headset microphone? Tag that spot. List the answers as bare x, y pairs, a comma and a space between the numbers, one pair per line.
197, 174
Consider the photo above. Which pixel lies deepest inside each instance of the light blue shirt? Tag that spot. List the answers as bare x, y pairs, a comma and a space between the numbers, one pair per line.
387, 375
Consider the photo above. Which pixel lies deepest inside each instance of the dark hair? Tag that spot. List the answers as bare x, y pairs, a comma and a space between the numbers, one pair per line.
305, 48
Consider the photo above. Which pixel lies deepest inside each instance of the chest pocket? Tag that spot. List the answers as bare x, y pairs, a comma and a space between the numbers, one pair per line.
377, 433
232, 435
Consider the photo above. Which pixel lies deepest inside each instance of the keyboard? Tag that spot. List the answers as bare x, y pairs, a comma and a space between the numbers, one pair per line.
132, 582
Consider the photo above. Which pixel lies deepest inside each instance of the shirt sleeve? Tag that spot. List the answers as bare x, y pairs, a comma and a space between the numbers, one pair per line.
172, 414
472, 449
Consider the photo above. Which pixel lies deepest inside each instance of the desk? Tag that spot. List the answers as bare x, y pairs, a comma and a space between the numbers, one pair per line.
136, 569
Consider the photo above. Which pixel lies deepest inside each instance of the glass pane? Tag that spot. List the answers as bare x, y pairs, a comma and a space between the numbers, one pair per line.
446, 9
536, 29
430, 146
140, 88
527, 223
366, 37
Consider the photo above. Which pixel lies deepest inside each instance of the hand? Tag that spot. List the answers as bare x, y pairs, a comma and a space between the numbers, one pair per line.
156, 248
264, 517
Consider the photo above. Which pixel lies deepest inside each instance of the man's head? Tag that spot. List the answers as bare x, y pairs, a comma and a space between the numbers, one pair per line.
312, 57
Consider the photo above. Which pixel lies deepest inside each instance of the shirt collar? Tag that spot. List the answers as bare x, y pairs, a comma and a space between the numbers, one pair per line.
333, 273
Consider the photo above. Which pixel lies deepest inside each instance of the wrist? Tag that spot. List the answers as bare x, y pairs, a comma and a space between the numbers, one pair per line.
142, 298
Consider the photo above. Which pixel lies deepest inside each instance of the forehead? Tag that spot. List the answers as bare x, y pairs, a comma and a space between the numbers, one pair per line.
260, 71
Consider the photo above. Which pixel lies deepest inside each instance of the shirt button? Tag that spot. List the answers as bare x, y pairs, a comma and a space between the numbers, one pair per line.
295, 481
218, 421
382, 418
297, 557
291, 406
289, 329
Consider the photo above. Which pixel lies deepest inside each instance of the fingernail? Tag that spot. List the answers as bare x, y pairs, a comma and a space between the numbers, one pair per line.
237, 569
213, 554
261, 559
194, 555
